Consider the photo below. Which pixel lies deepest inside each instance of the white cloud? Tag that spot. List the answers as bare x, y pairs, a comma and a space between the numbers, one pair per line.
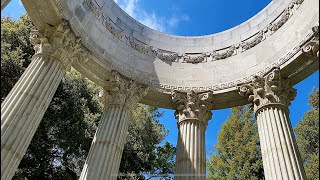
150, 19
175, 20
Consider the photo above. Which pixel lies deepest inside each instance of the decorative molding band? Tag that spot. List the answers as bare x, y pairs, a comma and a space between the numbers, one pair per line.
200, 57
155, 85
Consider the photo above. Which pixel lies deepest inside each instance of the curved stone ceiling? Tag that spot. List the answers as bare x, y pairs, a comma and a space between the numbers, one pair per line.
217, 62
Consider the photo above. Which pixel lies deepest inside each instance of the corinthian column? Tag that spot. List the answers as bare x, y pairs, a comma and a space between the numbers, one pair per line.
25, 105
193, 111
4, 3
104, 157
271, 97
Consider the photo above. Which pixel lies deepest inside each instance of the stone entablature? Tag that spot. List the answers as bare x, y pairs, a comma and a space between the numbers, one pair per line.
160, 70
194, 57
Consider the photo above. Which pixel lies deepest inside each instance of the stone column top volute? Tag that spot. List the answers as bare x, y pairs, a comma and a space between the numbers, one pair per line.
268, 90
60, 43
192, 105
120, 91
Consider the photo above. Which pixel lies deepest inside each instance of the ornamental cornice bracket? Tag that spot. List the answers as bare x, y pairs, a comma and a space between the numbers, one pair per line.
120, 91
192, 105
267, 90
311, 48
59, 42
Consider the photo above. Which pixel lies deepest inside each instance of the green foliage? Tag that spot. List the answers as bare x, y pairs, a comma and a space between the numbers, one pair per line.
16, 51
141, 154
238, 151
307, 136
63, 138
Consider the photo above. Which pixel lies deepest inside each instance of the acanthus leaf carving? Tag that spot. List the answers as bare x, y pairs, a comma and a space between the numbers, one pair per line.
192, 106
59, 42
121, 91
270, 89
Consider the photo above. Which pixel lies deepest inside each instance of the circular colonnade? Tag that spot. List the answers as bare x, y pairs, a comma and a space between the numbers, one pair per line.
257, 61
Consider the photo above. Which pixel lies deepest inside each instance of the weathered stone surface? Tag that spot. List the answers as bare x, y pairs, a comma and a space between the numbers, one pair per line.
105, 154
221, 60
271, 89
193, 111
25, 105
271, 96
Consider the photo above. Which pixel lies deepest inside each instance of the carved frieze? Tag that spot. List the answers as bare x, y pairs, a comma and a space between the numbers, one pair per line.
165, 56
283, 19
225, 54
256, 40
138, 45
197, 57
192, 106
194, 58
268, 90
118, 33
120, 91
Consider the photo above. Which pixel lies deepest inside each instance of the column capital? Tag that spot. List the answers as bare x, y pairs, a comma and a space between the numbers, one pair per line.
192, 106
268, 90
59, 42
120, 91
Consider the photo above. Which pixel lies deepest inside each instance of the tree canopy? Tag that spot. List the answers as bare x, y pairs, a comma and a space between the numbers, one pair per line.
238, 153
307, 136
63, 138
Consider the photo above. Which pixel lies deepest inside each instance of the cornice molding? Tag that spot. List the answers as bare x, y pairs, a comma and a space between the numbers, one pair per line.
200, 57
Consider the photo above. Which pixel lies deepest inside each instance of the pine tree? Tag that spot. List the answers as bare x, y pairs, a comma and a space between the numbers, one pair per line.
307, 136
238, 153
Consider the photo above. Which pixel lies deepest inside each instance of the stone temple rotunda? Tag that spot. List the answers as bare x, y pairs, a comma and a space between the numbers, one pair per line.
255, 62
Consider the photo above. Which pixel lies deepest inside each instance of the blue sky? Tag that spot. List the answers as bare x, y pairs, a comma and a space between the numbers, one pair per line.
189, 17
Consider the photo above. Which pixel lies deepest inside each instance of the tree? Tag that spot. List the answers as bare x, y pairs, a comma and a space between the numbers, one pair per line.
142, 155
63, 138
307, 136
238, 153
16, 51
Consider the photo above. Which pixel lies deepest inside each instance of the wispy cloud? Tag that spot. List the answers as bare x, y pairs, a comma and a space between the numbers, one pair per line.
175, 20
151, 19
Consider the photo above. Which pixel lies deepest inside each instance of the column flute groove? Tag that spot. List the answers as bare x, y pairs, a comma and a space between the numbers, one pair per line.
271, 97
25, 105
103, 160
193, 111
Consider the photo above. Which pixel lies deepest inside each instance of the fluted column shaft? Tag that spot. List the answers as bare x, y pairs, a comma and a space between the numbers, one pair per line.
4, 3
193, 113
191, 153
106, 150
25, 105
271, 97
280, 154
105, 154
23, 109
